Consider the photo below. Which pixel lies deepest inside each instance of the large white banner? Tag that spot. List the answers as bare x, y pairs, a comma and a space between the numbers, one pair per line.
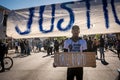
93, 17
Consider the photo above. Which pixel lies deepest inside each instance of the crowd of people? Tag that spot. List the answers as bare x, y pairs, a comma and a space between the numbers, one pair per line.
26, 46
51, 46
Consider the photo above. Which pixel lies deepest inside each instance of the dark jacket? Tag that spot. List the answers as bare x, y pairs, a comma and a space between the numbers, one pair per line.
2, 50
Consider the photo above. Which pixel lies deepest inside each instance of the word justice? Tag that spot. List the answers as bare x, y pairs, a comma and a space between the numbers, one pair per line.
70, 14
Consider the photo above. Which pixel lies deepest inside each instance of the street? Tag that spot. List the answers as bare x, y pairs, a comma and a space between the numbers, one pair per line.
38, 66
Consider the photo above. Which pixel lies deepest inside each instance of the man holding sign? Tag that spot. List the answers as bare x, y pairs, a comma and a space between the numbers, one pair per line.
74, 44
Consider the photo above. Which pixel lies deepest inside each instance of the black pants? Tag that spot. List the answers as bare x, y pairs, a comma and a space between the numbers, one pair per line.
49, 50
75, 72
2, 62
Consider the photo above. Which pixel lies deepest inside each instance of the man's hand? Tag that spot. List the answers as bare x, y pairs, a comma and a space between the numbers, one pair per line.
70, 47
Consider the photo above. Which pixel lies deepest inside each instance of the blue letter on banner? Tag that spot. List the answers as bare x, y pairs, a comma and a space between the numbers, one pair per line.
114, 12
104, 2
88, 13
41, 19
31, 10
71, 14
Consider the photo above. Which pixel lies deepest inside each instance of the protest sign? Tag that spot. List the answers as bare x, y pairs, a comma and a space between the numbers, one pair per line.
73, 59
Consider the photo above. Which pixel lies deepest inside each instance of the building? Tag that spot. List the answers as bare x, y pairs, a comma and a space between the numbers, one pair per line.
3, 21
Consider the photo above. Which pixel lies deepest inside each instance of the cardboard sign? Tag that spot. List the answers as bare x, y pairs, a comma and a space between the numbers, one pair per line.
73, 59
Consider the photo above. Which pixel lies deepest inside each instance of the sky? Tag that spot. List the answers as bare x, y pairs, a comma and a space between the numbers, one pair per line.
19, 4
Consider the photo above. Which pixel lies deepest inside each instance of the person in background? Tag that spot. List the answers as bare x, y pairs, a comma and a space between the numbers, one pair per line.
6, 47
56, 46
16, 46
2, 54
101, 45
49, 47
89, 45
95, 46
22, 47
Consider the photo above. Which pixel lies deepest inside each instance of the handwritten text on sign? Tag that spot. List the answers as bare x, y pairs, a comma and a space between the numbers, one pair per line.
85, 59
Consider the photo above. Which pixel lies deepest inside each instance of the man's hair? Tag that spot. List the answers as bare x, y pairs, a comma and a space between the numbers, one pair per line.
75, 27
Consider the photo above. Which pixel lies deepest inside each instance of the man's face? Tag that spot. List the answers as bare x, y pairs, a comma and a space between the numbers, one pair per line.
75, 32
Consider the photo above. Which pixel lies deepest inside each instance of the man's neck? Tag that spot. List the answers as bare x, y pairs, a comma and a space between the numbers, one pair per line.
75, 39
